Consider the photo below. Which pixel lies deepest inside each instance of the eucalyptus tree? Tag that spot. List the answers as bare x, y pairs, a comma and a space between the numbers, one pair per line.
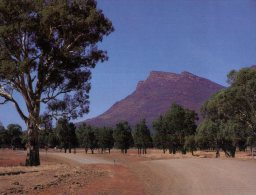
105, 139
47, 51
161, 139
142, 138
87, 137
123, 136
173, 127
90, 139
230, 115
241, 104
66, 134
214, 129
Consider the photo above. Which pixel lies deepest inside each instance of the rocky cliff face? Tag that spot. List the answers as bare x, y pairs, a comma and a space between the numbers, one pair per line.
155, 95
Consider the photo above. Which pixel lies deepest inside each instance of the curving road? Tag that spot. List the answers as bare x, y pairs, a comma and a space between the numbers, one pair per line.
189, 176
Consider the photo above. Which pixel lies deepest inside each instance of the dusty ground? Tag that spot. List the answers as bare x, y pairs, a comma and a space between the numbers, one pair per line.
116, 173
61, 173
204, 176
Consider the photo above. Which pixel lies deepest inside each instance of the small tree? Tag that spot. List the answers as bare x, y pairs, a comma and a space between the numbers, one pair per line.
91, 140
105, 138
86, 137
174, 126
53, 139
123, 136
142, 138
14, 132
80, 134
66, 134
72, 134
161, 139
109, 139
62, 133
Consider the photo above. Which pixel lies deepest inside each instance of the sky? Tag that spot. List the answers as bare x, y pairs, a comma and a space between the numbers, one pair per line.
205, 37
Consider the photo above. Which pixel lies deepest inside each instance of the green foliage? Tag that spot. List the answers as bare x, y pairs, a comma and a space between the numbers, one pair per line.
90, 139
105, 138
47, 51
123, 136
190, 143
14, 132
53, 140
43, 139
207, 134
142, 138
174, 126
161, 139
12, 136
87, 137
230, 115
3, 136
66, 134
216, 131
80, 131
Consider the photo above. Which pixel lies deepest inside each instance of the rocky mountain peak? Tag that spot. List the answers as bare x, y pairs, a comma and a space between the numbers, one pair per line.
155, 95
155, 75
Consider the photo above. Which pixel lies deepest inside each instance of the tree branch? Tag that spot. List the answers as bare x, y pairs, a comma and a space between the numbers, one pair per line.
8, 97
74, 42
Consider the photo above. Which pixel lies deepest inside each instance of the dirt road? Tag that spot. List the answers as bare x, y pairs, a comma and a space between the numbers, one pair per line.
190, 176
81, 158
197, 176
154, 174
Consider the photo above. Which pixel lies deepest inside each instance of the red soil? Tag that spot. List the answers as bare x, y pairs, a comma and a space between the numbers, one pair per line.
12, 157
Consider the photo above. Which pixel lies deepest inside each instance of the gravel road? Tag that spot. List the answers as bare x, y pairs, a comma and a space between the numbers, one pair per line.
190, 176
204, 176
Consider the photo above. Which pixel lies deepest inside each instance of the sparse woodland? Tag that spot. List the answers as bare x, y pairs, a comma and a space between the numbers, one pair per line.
47, 51
229, 124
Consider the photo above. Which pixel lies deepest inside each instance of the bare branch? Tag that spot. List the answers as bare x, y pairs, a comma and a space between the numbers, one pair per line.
8, 97
4, 101
53, 96
22, 115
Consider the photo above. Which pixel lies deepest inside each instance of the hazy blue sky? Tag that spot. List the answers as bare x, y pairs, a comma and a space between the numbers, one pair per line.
205, 37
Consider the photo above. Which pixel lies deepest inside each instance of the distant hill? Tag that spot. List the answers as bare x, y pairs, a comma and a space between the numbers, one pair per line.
155, 95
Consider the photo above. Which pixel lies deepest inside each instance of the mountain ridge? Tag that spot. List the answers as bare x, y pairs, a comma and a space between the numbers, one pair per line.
154, 95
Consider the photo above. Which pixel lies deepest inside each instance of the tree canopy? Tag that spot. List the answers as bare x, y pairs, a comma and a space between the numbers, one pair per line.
66, 134
230, 115
142, 138
123, 136
174, 126
105, 138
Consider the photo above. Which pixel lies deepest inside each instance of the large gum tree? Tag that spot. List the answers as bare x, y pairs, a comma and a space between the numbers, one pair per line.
47, 49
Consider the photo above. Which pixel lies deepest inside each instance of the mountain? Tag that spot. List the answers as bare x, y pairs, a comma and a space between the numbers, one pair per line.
155, 95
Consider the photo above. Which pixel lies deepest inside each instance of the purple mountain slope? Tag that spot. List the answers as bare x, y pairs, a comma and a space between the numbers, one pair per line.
155, 95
